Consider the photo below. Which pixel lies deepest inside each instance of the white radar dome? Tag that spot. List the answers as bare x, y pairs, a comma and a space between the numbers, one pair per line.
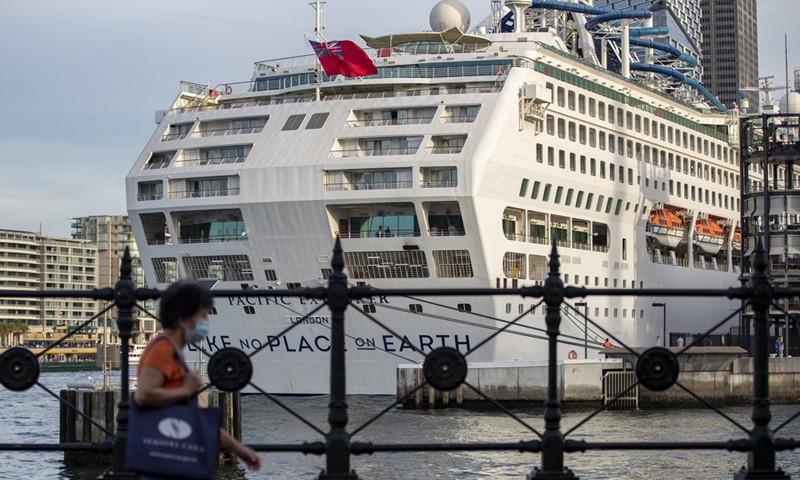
793, 105
448, 14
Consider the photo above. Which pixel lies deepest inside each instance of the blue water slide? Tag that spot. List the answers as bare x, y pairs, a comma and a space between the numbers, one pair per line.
591, 24
674, 52
568, 7
648, 31
646, 67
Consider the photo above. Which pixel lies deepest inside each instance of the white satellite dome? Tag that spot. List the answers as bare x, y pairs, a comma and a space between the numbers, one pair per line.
448, 14
793, 103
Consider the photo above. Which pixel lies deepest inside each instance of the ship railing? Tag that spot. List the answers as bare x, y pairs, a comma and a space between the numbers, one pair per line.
438, 183
146, 197
600, 248
446, 150
457, 118
446, 232
389, 121
515, 237
173, 136
213, 239
214, 192
538, 240
581, 246
218, 132
351, 96
158, 241
193, 162
348, 186
373, 152
373, 234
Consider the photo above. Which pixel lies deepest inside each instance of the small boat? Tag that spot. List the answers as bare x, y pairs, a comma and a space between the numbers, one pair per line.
708, 235
665, 227
135, 353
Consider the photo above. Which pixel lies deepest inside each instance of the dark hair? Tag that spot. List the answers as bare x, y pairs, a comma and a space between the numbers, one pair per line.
182, 299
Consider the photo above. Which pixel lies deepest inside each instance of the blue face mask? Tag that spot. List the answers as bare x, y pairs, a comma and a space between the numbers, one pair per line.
199, 332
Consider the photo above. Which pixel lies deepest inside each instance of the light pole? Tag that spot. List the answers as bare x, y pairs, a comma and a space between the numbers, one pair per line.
664, 306
585, 329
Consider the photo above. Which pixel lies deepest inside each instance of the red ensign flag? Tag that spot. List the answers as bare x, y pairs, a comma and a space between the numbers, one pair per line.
343, 58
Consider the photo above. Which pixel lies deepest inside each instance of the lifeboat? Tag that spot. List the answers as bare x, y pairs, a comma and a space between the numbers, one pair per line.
708, 236
736, 241
665, 227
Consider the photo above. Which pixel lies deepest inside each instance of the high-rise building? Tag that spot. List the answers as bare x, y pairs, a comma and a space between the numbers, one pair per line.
112, 234
31, 261
681, 19
730, 49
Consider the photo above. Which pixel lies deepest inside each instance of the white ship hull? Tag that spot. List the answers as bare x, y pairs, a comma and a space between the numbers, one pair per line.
471, 200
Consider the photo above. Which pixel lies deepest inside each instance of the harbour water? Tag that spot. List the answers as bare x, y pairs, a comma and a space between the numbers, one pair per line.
32, 416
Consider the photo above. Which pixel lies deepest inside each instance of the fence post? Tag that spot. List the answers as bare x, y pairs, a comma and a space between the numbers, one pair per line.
337, 444
552, 439
761, 459
125, 300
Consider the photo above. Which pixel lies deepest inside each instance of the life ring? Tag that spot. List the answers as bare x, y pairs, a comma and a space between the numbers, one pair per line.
572, 355
228, 90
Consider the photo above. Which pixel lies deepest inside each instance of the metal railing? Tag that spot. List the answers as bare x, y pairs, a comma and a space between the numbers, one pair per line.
445, 369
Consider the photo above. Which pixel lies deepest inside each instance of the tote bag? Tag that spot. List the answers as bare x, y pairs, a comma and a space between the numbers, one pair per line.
176, 441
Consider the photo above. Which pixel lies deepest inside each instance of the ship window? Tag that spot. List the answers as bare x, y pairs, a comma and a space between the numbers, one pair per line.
466, 307
508, 308
559, 192
592, 107
611, 115
620, 117
571, 100
602, 169
629, 120
523, 189
317, 121
582, 103
368, 308
601, 110
609, 203
562, 160
571, 131
589, 199
611, 170
551, 125
293, 122
618, 207
639, 123
539, 153
583, 164
415, 308
612, 144
592, 137
546, 195
630, 176
514, 265
249, 310
387, 264
560, 96
325, 273
562, 127
627, 206
569, 196
600, 199
551, 156
579, 199
621, 174
271, 275
535, 190
624, 248
602, 141
212, 310
150, 191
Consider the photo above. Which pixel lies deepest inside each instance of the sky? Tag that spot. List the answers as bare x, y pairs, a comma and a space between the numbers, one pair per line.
81, 81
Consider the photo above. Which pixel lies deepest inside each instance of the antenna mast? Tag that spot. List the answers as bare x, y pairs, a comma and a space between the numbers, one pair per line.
317, 5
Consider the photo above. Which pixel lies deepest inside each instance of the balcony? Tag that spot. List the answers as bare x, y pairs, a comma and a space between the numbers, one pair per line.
218, 192
349, 186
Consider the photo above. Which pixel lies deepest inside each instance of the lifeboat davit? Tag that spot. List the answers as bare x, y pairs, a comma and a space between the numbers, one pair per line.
708, 236
665, 227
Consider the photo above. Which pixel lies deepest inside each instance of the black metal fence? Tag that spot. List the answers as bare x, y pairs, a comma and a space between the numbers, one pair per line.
445, 369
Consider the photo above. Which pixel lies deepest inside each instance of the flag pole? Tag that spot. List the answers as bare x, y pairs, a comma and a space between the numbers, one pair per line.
318, 37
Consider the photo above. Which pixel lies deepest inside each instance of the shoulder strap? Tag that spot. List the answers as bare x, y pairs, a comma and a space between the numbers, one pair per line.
192, 401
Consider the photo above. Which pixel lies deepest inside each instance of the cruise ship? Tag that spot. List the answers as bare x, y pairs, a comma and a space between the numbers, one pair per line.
457, 165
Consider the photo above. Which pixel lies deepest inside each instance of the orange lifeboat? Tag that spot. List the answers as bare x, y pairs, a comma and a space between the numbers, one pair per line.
736, 241
708, 235
665, 227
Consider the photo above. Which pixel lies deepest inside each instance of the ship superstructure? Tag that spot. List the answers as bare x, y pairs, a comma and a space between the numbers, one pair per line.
457, 165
